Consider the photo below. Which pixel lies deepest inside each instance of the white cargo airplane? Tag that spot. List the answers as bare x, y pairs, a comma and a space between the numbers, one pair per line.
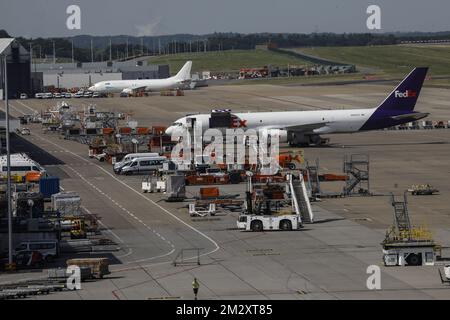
178, 81
304, 127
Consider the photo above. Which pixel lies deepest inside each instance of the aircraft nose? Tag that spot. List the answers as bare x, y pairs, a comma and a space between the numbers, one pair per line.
92, 88
169, 130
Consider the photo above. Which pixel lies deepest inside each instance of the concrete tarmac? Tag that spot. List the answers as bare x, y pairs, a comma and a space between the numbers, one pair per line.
325, 260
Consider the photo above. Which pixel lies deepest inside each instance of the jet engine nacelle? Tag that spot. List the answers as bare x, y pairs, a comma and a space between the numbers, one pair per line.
127, 90
270, 134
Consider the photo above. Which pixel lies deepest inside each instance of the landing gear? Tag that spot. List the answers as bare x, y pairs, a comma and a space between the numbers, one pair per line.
306, 140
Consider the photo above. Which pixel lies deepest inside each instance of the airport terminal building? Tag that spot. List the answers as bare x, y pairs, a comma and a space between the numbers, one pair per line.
78, 75
19, 73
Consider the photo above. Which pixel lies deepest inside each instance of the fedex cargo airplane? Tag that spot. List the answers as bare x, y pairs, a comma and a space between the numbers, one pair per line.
301, 128
178, 81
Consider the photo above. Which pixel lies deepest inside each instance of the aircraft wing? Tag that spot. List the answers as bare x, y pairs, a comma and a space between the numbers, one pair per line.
306, 128
134, 89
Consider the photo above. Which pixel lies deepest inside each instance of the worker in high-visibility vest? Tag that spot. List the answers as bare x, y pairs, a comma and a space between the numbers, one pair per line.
195, 286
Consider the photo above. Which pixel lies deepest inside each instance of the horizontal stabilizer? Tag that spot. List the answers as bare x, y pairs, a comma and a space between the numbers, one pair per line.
413, 116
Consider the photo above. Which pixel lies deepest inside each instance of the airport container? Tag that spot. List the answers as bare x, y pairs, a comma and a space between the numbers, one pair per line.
61, 273
74, 132
67, 203
194, 179
221, 179
98, 266
142, 130
91, 131
48, 186
208, 193
125, 130
108, 130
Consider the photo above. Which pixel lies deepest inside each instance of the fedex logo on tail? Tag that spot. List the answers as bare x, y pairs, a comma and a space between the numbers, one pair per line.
406, 94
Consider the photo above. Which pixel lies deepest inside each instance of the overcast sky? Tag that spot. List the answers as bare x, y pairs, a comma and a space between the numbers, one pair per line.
33, 18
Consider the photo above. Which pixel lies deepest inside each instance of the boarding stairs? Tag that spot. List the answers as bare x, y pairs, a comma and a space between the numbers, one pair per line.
401, 215
301, 199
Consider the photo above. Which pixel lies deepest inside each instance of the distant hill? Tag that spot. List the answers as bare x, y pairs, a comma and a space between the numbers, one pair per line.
4, 34
84, 41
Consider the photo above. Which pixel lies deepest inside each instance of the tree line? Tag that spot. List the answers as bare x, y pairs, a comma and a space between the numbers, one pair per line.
173, 44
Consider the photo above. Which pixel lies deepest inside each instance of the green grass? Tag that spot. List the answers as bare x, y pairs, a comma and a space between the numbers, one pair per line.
227, 61
389, 60
317, 79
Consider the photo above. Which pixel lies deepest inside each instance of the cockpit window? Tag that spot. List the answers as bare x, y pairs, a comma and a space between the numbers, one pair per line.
177, 124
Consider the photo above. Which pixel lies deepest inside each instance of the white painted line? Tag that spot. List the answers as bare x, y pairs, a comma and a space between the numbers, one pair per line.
28, 107
217, 247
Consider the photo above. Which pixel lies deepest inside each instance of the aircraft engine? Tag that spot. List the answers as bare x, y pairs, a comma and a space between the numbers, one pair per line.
282, 135
127, 90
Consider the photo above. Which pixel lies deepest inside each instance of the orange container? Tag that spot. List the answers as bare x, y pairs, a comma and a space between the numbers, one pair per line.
334, 177
221, 179
142, 130
207, 193
33, 176
108, 130
125, 130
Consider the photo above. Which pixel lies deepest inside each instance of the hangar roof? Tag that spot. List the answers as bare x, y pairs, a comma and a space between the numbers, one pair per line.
5, 43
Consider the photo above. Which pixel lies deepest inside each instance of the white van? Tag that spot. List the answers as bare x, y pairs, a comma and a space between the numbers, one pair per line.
143, 165
48, 248
130, 157
21, 164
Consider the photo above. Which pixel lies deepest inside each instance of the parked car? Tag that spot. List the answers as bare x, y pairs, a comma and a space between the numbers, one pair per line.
48, 248
57, 95
29, 259
23, 96
124, 95
25, 132
47, 95
96, 95
39, 95
87, 95
129, 157
78, 95
143, 165
67, 95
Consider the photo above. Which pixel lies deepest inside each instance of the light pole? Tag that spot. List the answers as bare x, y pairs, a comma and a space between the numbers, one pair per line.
54, 52
135, 142
8, 165
73, 60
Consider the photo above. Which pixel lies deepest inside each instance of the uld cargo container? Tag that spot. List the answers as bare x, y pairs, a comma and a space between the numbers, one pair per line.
49, 186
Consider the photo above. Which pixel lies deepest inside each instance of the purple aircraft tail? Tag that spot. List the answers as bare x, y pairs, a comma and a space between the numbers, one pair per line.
398, 107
